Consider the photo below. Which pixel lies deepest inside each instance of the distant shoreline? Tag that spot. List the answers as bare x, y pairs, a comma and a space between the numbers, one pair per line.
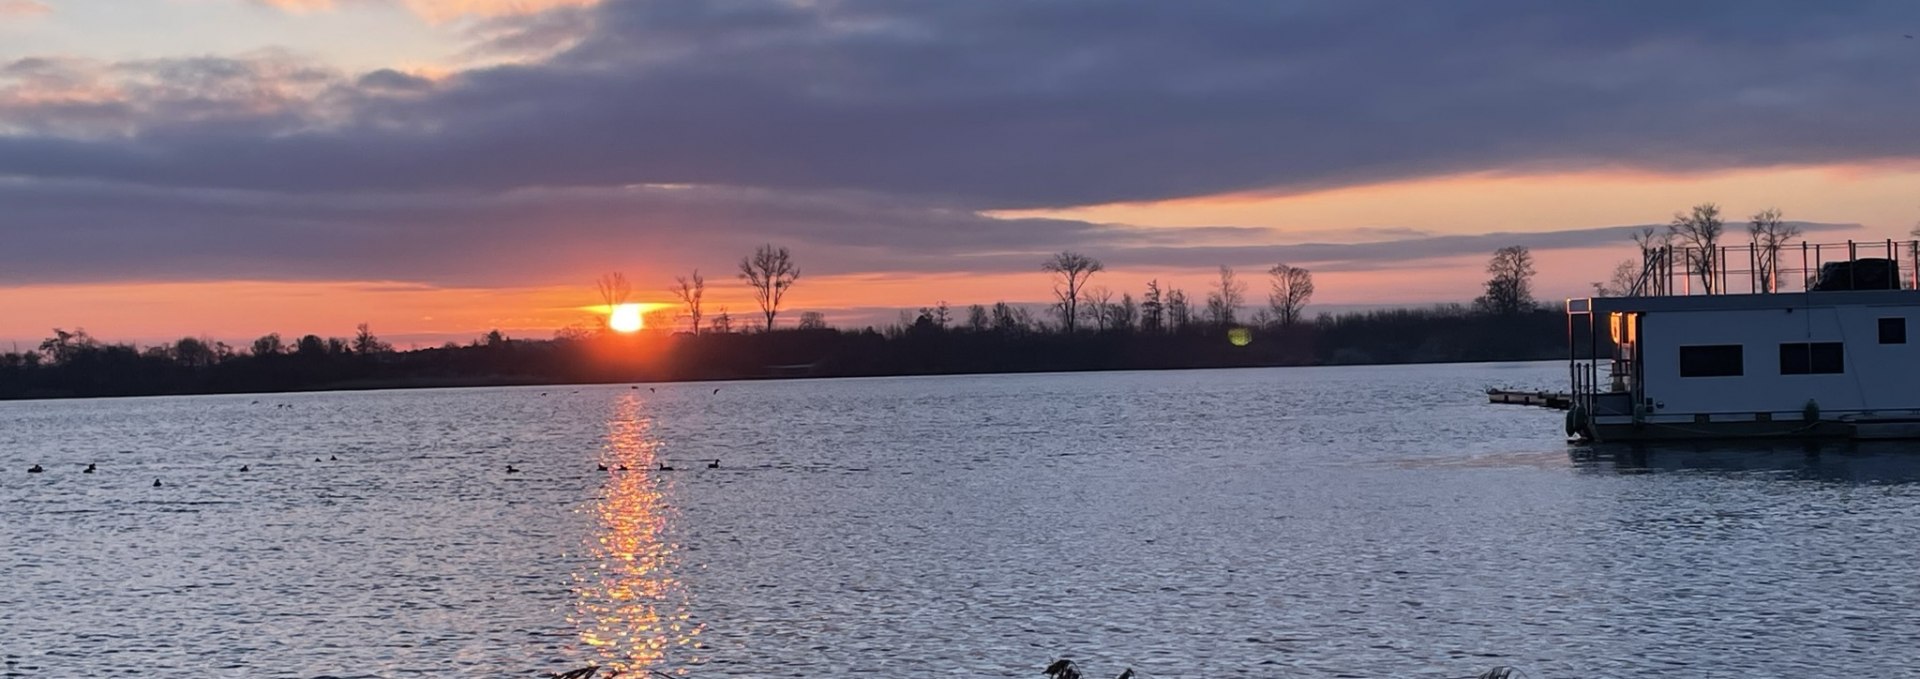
76, 365
483, 382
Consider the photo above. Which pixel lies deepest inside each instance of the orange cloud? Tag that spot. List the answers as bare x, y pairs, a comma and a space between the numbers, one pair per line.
23, 8
435, 11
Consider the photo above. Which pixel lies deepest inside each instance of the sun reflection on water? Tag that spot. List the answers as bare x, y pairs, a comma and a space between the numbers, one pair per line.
631, 608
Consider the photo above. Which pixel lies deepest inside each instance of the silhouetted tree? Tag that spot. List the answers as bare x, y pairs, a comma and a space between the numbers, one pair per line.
494, 338
268, 345
364, 341
1651, 242
1179, 313
813, 320
1625, 275
940, 315
1699, 234
1071, 270
64, 346
311, 345
660, 320
1098, 307
1769, 234
1223, 303
1152, 311
1009, 319
193, 353
1510, 285
689, 289
1292, 289
1125, 313
578, 332
771, 272
977, 319
723, 322
1913, 247
614, 289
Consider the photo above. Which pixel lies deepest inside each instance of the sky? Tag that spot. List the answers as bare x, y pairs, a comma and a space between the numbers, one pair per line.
439, 168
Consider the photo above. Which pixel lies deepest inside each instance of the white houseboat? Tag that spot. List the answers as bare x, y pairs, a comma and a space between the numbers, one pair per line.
1835, 355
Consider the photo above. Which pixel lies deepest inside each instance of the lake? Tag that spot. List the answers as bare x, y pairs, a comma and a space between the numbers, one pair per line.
1309, 522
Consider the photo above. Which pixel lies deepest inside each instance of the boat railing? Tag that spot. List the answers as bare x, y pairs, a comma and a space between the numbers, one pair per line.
1755, 268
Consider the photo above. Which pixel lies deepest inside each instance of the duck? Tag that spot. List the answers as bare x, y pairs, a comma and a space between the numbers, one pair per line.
714, 464
333, 458
245, 467
602, 467
34, 469
316, 459
88, 470
511, 470
156, 483
666, 467
623, 467
716, 390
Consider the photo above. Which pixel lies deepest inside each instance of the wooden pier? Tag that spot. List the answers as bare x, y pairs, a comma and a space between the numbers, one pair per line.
1557, 400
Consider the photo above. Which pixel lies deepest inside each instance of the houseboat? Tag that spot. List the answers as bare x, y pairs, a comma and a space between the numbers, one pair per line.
1830, 349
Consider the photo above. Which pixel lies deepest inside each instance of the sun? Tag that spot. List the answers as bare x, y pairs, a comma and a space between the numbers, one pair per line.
625, 318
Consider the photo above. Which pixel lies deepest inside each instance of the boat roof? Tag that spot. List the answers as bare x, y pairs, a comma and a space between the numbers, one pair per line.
1774, 300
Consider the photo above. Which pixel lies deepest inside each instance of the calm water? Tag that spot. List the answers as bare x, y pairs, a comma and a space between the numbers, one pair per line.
1356, 522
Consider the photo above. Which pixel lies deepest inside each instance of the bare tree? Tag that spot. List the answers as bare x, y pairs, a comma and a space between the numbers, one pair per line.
1009, 319
1625, 275
689, 289
977, 319
1071, 271
1179, 312
1648, 278
614, 290
1914, 246
1292, 288
771, 272
1223, 302
813, 320
1769, 234
723, 322
1098, 305
1509, 287
1699, 234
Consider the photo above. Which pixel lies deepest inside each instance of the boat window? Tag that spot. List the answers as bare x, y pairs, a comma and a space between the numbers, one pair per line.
1893, 331
1720, 360
1812, 358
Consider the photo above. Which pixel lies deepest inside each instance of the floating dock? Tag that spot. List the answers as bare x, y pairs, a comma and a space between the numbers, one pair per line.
1557, 400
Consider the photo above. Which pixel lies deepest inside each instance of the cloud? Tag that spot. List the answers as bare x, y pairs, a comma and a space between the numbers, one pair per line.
90, 232
20, 9
1006, 105
436, 11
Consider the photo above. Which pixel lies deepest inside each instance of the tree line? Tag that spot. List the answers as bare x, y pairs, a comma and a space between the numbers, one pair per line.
1086, 327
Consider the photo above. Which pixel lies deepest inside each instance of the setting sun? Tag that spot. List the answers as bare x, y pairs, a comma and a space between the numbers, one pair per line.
625, 318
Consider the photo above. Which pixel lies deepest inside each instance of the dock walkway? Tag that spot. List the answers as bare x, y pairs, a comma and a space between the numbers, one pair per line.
1557, 400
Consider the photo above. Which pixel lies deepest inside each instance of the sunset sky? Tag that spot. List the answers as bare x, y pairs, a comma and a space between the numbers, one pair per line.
228, 168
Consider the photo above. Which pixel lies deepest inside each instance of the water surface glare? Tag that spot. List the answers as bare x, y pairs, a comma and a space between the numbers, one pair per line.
1306, 522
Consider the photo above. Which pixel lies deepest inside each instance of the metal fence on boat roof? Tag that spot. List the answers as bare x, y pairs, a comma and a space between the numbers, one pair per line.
1789, 267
